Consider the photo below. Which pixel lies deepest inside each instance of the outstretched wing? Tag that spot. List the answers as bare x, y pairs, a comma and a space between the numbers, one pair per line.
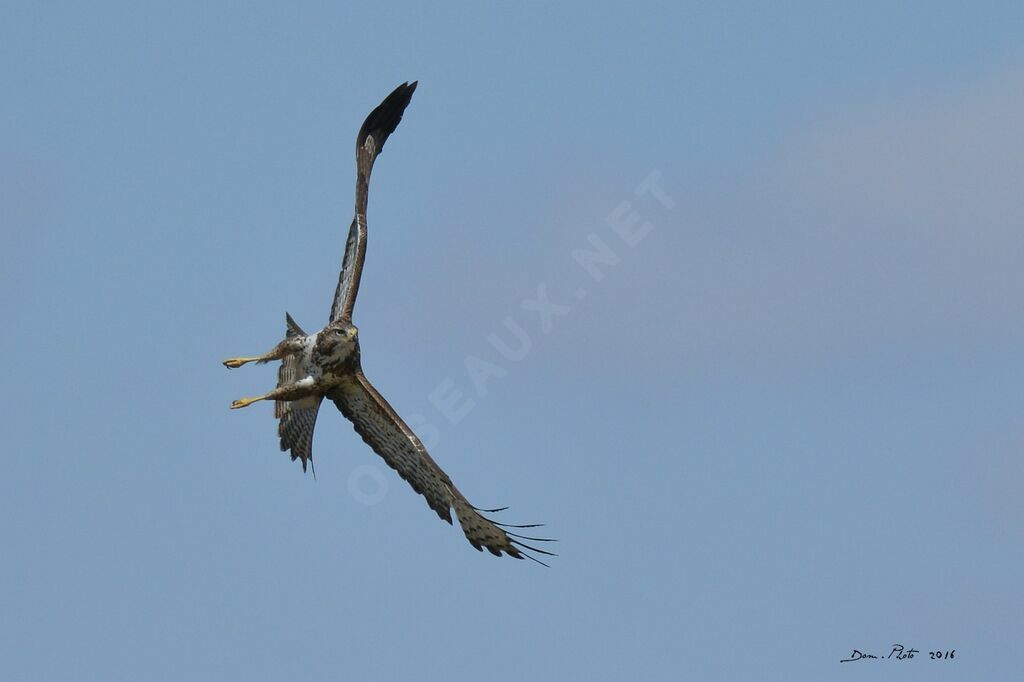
297, 417
384, 431
381, 122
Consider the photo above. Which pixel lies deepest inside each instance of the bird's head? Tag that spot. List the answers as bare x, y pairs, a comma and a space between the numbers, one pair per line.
338, 341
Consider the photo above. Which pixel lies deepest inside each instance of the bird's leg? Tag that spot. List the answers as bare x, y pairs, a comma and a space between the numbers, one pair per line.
233, 363
246, 402
295, 391
281, 350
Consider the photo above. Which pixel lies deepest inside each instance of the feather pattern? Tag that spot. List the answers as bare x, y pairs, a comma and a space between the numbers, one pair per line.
374, 132
297, 418
383, 430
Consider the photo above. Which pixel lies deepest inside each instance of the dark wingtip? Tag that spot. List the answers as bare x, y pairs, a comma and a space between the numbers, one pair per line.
524, 555
518, 547
488, 511
383, 120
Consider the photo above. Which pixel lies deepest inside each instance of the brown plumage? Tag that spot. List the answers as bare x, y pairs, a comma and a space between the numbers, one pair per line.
327, 364
297, 418
374, 132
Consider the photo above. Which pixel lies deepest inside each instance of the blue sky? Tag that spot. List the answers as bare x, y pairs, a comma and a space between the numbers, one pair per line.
783, 423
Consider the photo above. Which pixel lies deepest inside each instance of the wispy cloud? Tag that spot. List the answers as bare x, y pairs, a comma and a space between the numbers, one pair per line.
896, 222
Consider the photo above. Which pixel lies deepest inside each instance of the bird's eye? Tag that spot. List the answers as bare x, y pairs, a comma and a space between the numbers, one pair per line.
339, 332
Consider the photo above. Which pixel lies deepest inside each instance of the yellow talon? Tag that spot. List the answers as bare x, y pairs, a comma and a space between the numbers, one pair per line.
245, 402
234, 363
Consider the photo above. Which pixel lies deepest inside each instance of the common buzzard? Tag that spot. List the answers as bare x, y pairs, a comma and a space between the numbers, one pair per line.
326, 364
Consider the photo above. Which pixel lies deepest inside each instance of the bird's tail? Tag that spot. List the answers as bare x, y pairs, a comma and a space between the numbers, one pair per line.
292, 327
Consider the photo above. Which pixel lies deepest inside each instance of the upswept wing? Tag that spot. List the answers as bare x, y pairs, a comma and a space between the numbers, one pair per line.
383, 430
297, 417
374, 132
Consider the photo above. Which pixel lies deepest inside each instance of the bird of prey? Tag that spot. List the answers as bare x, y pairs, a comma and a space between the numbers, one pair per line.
326, 364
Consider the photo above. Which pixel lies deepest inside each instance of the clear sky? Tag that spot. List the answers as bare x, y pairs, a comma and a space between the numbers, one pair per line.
781, 420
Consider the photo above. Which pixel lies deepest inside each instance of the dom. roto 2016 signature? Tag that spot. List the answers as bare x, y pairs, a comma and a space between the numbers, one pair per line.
900, 653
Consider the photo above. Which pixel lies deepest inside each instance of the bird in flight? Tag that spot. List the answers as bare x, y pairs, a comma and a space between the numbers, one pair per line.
326, 364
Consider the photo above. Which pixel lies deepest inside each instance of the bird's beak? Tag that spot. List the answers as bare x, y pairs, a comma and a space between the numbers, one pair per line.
351, 333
